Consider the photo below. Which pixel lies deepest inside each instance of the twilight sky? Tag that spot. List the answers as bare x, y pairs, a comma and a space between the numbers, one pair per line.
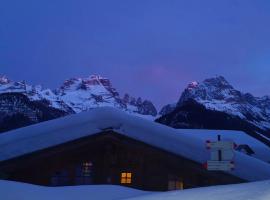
148, 48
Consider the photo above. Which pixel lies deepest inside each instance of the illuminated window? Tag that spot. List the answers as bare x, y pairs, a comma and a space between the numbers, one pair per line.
126, 178
175, 183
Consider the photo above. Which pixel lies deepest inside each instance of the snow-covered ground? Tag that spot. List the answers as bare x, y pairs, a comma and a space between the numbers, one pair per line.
247, 191
20, 191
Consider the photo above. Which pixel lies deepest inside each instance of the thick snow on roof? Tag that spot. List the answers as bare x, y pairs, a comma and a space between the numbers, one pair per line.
47, 134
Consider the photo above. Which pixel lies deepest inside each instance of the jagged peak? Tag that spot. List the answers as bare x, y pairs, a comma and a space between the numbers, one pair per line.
266, 97
97, 80
85, 82
217, 81
4, 79
193, 85
97, 77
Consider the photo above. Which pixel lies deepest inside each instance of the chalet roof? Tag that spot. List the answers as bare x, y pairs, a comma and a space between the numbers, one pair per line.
51, 133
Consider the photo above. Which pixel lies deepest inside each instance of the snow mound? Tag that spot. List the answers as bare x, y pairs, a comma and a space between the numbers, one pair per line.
247, 191
21, 191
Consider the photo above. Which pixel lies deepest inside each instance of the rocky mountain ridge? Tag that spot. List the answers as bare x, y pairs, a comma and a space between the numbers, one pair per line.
214, 96
74, 96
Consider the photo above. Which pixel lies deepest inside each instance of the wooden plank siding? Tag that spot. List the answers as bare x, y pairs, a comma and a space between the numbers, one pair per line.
111, 154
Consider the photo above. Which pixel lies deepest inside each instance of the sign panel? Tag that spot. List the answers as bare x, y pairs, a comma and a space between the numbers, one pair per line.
225, 155
219, 165
221, 145
222, 154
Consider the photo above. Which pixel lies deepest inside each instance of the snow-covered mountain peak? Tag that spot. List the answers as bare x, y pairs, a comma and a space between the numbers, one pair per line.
87, 83
82, 94
79, 94
4, 80
34, 93
213, 88
217, 94
218, 81
70, 84
265, 98
86, 93
97, 78
192, 85
7, 85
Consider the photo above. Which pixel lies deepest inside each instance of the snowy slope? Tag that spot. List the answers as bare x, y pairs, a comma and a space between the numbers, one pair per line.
247, 191
54, 132
217, 94
262, 151
20, 191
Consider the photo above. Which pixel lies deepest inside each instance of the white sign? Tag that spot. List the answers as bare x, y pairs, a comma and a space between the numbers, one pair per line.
219, 165
221, 145
225, 155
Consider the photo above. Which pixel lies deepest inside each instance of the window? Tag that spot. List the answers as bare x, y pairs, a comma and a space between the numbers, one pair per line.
175, 183
84, 173
86, 168
126, 178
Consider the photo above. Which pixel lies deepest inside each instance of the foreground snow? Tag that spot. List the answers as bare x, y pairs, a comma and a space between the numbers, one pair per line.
19, 191
247, 191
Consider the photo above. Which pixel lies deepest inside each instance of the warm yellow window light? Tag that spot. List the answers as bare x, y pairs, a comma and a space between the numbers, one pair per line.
179, 185
175, 184
126, 178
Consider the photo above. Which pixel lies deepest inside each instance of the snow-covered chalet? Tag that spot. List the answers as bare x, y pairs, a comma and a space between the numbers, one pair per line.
109, 146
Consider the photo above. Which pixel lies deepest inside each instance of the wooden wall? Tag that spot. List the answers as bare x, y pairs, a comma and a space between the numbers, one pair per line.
111, 154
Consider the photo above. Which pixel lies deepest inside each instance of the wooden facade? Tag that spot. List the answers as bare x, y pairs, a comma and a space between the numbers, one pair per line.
111, 158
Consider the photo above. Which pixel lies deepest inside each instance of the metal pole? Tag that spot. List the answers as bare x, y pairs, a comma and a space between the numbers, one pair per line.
219, 151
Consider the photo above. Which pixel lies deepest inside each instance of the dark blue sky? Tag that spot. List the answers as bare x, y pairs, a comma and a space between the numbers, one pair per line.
149, 48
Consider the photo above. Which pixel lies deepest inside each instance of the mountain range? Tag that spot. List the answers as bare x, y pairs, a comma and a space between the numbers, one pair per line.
23, 104
216, 104
211, 104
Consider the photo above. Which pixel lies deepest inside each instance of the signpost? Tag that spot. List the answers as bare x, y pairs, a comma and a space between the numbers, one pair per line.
222, 155
220, 165
221, 145
225, 155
